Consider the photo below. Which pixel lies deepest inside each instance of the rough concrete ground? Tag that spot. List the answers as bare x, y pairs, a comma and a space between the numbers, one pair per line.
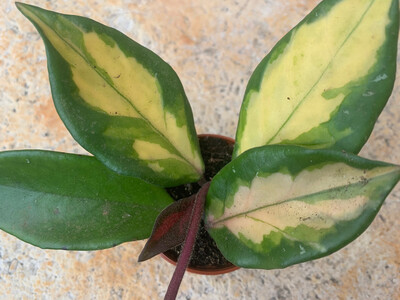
214, 46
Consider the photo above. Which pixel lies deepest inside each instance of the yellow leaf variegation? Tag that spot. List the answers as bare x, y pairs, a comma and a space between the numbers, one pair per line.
325, 83
289, 195
119, 100
285, 204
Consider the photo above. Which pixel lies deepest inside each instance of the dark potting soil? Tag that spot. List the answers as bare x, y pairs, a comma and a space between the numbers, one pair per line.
216, 153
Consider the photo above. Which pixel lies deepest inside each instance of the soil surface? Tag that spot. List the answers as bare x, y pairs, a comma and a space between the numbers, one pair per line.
216, 154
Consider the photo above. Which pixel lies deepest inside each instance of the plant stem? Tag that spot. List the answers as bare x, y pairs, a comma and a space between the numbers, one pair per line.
187, 249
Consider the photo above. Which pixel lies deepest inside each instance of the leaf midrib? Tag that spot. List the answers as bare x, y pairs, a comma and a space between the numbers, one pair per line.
119, 93
300, 197
322, 74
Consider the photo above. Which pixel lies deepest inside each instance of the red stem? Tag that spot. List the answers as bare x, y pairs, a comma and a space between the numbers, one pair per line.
184, 258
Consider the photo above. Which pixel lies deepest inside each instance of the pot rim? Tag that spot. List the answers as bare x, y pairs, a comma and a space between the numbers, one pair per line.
232, 140
206, 270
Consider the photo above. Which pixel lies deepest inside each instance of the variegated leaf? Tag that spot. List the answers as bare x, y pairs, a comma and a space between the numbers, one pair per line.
119, 100
276, 205
325, 83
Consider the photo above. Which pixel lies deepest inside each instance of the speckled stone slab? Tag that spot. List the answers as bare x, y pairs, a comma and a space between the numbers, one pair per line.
214, 46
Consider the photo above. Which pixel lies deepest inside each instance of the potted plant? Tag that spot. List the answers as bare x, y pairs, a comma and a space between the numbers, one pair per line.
295, 189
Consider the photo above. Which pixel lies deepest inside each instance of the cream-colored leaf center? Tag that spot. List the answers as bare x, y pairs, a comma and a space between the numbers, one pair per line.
335, 50
278, 201
119, 86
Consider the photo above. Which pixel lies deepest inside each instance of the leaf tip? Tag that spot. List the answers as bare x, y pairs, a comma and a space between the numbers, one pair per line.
26, 9
22, 6
143, 256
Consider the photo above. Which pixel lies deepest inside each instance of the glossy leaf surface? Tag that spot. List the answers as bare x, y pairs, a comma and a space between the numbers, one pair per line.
326, 82
118, 99
275, 206
66, 201
169, 229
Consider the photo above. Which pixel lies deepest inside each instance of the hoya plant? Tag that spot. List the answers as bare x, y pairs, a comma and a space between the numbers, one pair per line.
295, 189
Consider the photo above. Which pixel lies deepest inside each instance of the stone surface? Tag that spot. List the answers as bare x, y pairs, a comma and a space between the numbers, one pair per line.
214, 47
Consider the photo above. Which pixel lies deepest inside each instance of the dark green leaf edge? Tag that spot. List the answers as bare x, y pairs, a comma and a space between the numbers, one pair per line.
366, 112
71, 112
223, 185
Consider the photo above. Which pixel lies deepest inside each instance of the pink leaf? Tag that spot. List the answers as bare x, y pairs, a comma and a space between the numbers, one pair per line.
169, 229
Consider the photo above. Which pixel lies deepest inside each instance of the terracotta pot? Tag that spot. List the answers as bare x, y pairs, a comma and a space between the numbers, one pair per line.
203, 270
171, 255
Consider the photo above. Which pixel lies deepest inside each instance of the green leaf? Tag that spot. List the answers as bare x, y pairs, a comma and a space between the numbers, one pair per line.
66, 201
275, 206
118, 99
325, 83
